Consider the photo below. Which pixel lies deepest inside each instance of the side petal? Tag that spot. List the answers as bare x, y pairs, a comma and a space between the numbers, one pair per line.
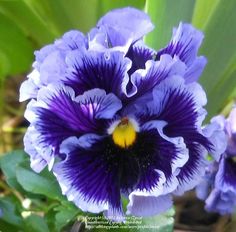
28, 90
180, 106
195, 70
145, 80
58, 114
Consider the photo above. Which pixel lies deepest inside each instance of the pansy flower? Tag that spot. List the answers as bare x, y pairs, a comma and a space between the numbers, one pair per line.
114, 118
218, 187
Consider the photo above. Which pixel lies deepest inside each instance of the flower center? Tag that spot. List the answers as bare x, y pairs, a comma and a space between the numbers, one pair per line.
124, 134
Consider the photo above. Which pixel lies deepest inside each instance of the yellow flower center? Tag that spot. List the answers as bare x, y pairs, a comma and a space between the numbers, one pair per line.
124, 134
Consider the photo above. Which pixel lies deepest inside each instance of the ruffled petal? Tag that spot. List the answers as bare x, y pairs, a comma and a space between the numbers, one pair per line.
94, 162
29, 89
145, 80
226, 176
184, 44
72, 40
139, 53
37, 162
50, 66
174, 148
221, 202
216, 135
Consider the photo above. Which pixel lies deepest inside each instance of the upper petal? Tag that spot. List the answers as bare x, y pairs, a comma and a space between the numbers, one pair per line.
184, 44
127, 23
50, 66
104, 70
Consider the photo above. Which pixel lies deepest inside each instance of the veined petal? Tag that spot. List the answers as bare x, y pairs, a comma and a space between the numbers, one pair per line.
95, 162
184, 44
91, 69
86, 176
180, 156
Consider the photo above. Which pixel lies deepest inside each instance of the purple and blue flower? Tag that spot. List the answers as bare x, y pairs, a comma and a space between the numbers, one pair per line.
112, 117
218, 187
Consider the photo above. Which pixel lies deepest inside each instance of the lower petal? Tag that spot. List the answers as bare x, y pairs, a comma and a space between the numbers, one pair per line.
85, 178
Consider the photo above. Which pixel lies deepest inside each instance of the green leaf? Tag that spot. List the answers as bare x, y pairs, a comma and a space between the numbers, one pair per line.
166, 14
51, 12
15, 46
4, 65
9, 213
219, 47
28, 20
35, 223
65, 215
44, 183
224, 91
161, 223
107, 5
7, 227
79, 14
203, 11
50, 219
9, 162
